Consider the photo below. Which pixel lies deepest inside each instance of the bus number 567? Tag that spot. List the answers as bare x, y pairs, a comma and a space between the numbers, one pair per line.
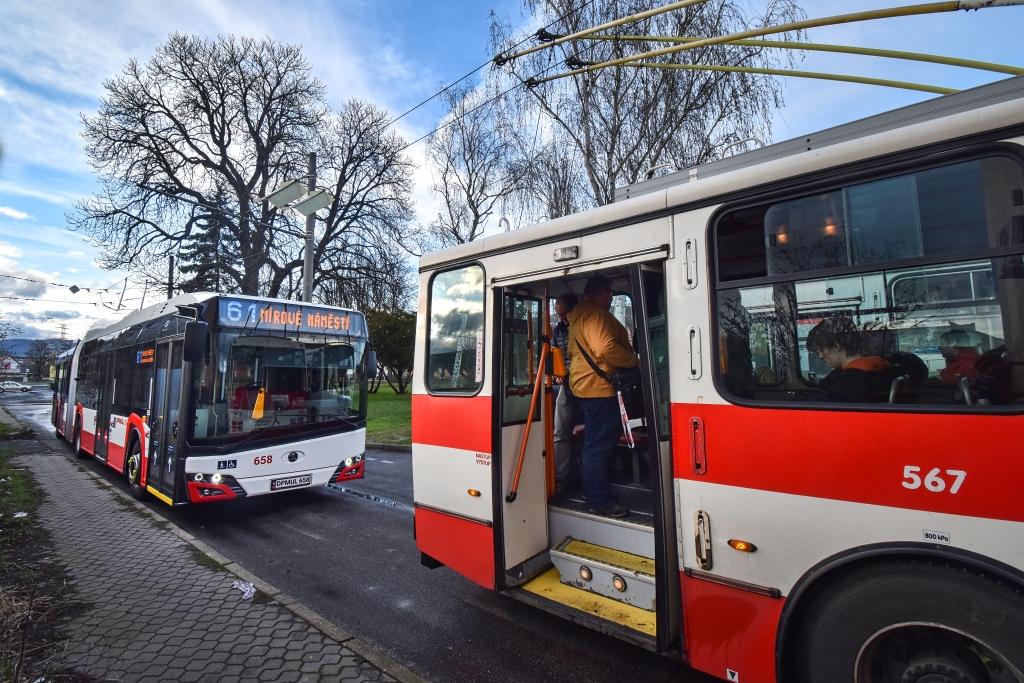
933, 480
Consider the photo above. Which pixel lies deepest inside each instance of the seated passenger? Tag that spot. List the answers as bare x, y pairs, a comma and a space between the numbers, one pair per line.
854, 378
960, 354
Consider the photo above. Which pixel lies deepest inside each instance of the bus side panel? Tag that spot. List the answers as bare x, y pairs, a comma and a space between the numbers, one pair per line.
89, 430
725, 624
462, 545
117, 442
861, 457
452, 483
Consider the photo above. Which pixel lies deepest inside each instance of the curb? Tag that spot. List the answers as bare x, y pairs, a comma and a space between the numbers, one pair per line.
395, 448
361, 648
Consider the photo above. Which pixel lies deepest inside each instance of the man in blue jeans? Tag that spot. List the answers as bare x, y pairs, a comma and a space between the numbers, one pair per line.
595, 333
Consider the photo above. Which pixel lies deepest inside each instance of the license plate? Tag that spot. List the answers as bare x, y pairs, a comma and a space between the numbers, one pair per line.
291, 482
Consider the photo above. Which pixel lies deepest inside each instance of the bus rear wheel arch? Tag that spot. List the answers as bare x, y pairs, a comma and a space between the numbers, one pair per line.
909, 622
133, 468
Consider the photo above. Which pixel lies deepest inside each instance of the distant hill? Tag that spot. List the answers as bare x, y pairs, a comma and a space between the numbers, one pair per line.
19, 347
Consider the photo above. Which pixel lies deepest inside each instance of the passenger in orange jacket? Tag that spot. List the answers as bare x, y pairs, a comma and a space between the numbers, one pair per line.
854, 378
596, 331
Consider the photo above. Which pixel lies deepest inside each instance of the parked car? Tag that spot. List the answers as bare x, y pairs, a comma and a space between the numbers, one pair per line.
14, 386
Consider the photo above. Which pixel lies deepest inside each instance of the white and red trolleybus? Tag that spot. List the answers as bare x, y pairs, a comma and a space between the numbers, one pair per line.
778, 531
208, 397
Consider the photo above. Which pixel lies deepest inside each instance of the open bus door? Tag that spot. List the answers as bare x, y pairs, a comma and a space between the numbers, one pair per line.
524, 517
163, 425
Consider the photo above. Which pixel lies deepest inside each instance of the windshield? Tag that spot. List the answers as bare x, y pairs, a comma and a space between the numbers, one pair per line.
272, 382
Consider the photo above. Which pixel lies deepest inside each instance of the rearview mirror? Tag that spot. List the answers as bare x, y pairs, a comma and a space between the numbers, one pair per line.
370, 363
195, 341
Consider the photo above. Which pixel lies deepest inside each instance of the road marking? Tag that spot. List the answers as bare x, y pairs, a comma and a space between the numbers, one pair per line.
372, 497
389, 462
300, 531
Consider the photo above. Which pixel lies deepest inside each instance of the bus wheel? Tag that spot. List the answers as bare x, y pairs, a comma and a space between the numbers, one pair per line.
912, 622
133, 470
76, 442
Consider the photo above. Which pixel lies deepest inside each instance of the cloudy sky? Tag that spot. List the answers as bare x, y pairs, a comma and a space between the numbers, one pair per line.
56, 55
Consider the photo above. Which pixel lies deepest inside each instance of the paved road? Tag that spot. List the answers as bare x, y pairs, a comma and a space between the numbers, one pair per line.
349, 555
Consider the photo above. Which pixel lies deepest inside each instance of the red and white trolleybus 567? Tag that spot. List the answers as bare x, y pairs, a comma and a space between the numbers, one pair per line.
208, 397
779, 529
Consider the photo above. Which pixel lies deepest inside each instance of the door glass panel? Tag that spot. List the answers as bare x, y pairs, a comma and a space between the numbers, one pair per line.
173, 405
520, 356
657, 330
156, 434
455, 358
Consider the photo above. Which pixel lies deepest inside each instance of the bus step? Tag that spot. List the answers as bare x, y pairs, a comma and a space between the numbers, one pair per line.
615, 574
633, 534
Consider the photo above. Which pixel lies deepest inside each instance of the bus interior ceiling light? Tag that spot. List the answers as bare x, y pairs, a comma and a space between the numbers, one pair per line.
287, 193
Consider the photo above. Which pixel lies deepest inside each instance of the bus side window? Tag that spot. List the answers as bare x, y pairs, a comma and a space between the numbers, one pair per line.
940, 333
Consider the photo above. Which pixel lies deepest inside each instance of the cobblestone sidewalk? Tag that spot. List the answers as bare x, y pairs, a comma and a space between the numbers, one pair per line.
156, 608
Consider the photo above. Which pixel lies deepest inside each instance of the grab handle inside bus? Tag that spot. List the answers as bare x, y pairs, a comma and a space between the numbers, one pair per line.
195, 341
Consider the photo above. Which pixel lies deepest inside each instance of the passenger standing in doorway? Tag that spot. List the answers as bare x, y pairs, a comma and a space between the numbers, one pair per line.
593, 328
565, 407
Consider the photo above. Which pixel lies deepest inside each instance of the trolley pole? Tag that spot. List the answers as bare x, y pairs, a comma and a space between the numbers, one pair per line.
307, 261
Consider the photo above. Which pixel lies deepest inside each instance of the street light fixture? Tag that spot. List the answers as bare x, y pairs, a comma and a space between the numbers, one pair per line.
307, 200
287, 193
313, 203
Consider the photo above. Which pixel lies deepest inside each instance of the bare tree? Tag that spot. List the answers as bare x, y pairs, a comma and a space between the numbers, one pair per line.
477, 164
8, 329
209, 123
623, 121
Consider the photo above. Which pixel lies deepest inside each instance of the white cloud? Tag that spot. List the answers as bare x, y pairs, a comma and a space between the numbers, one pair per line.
14, 213
21, 190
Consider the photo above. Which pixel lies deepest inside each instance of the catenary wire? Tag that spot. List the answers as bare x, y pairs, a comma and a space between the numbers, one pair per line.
489, 61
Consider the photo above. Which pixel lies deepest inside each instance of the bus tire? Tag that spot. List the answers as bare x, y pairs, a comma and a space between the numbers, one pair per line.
76, 441
910, 622
133, 469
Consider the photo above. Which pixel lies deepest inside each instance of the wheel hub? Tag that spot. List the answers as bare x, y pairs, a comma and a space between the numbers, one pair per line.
944, 668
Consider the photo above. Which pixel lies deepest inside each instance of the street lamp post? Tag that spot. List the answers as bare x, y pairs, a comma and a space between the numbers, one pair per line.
307, 257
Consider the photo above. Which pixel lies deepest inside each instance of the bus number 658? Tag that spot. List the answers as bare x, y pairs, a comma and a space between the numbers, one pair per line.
263, 460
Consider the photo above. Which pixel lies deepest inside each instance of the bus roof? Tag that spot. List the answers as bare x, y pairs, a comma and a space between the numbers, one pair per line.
989, 107
169, 306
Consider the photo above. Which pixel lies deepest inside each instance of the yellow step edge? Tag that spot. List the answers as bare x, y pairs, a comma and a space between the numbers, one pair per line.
549, 585
616, 558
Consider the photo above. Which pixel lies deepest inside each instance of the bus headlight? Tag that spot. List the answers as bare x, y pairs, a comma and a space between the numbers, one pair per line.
216, 479
349, 462
198, 476
359, 458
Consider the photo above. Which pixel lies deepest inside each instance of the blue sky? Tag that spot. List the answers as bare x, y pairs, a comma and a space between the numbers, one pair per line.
56, 55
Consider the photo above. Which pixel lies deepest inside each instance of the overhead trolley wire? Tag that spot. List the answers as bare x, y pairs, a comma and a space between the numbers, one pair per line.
887, 13
489, 61
53, 301
501, 61
54, 284
632, 18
